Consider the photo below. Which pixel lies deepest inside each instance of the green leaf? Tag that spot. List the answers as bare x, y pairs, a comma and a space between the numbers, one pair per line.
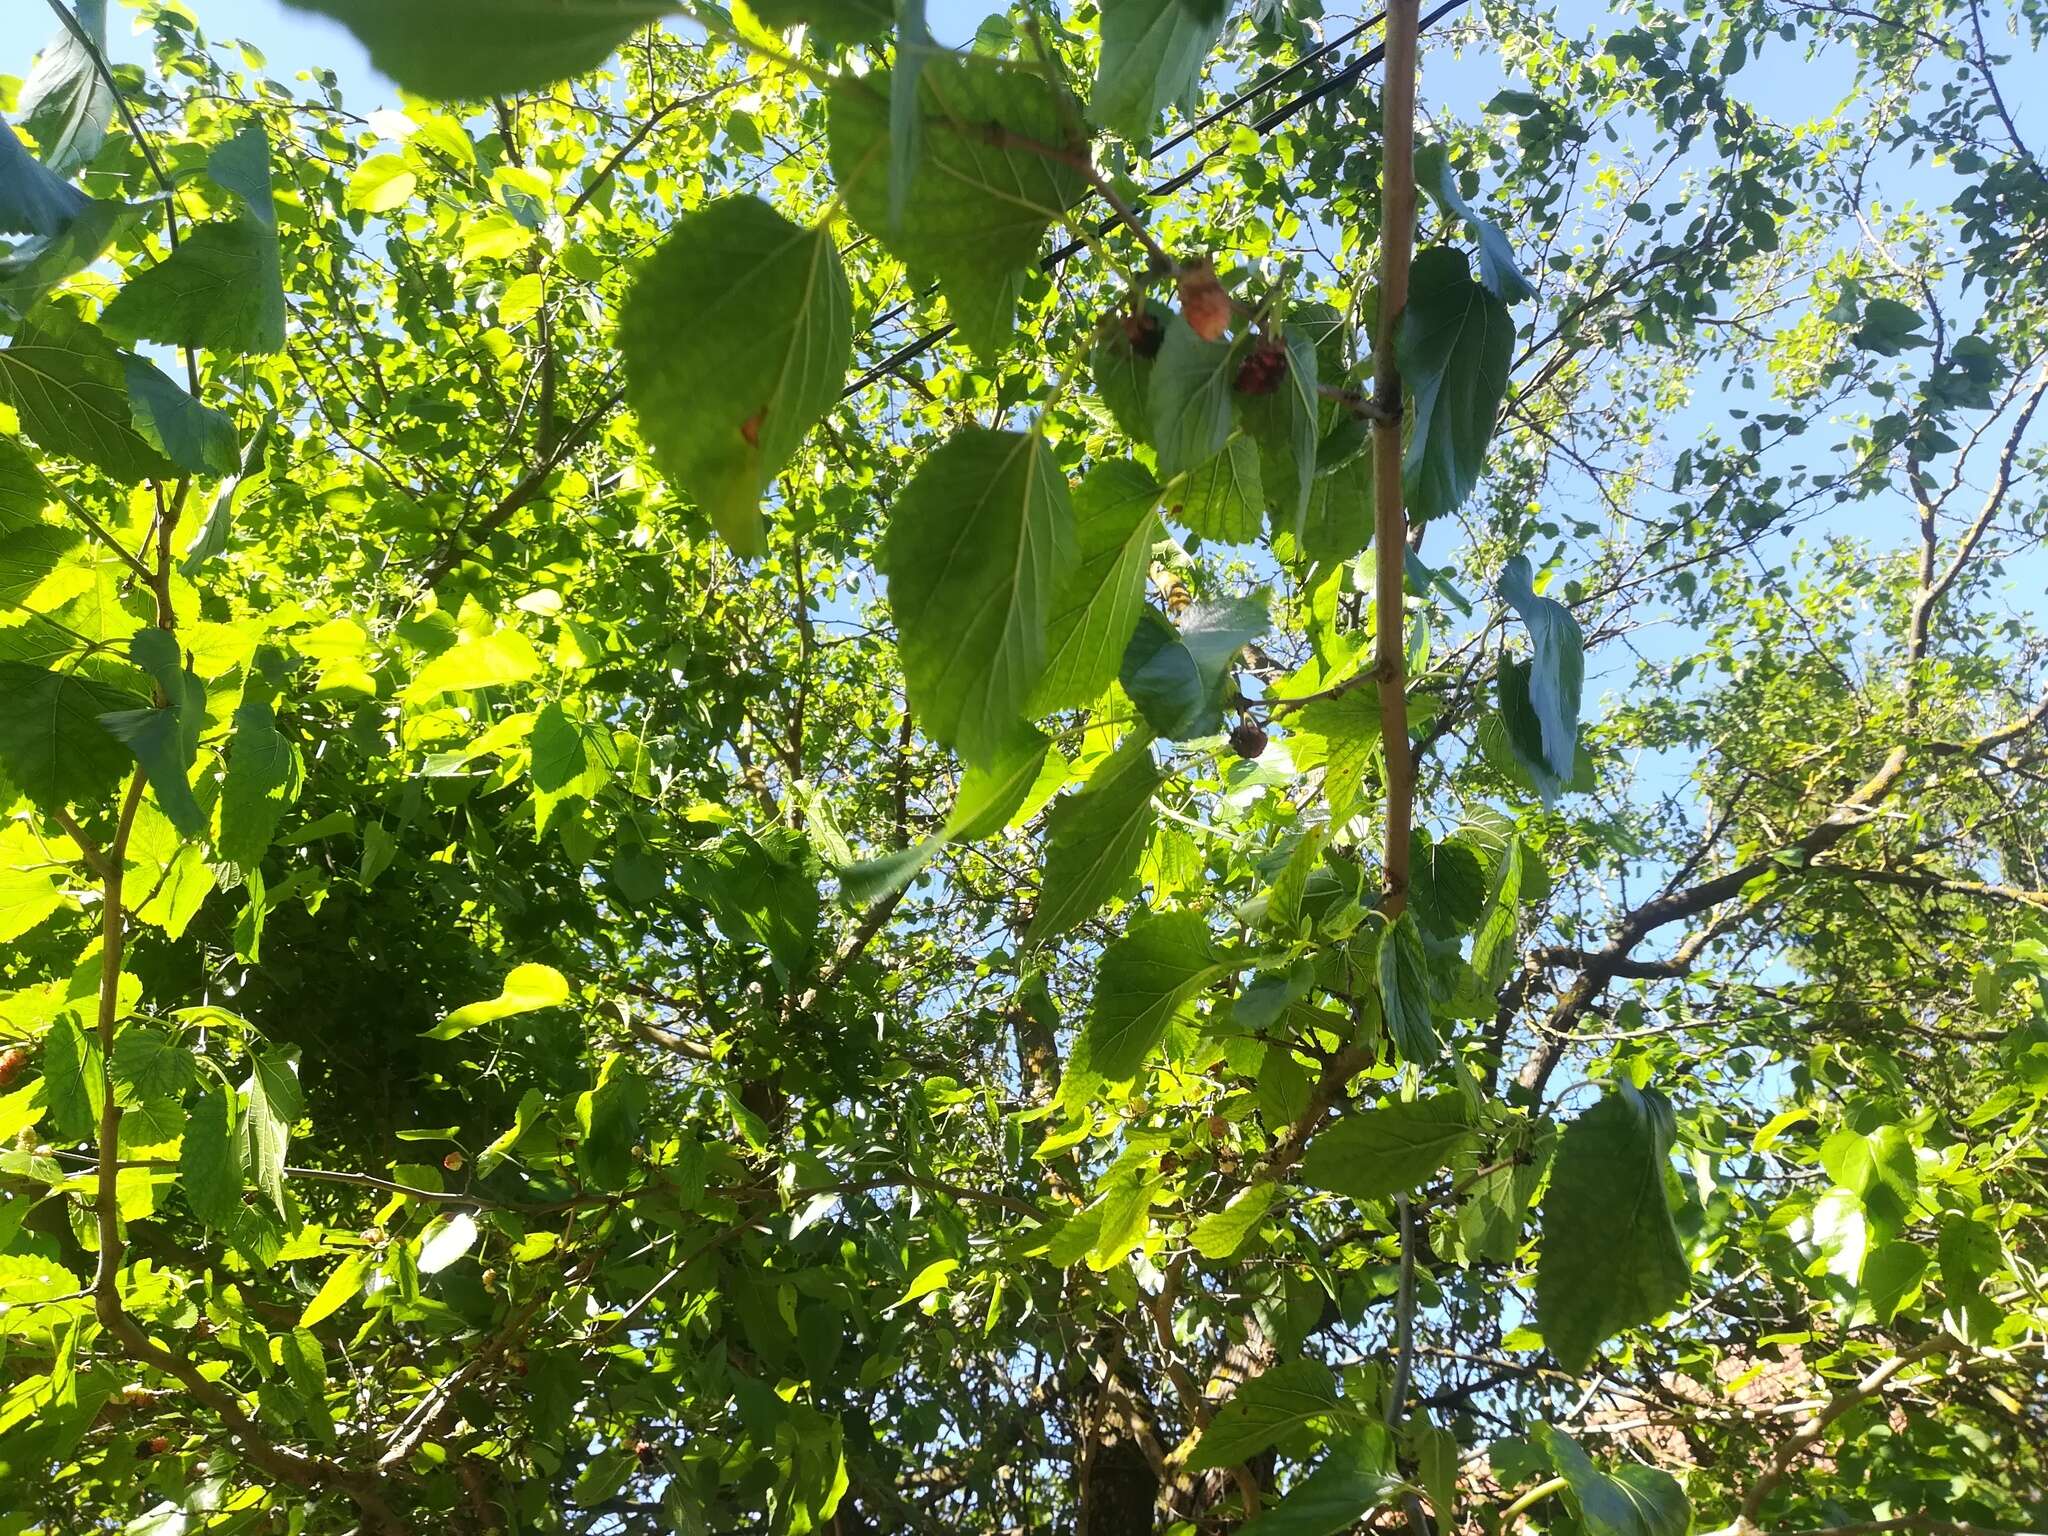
73, 1090
532, 1106
30, 885
1095, 608
1094, 839
476, 661
976, 546
1520, 731
1222, 498
1121, 363
975, 212
527, 988
1447, 885
24, 491
479, 48
1405, 992
1610, 1257
836, 23
609, 1118
1494, 949
1178, 677
341, 1287
220, 290
1557, 670
261, 782
1435, 175
210, 1168
1287, 424
65, 102
736, 336
1123, 1217
33, 200
1891, 1274
275, 1106
194, 437
1635, 1501
165, 739
1880, 1169
52, 746
446, 1239
1356, 1477
1338, 522
149, 1064
1189, 398
914, 47
1220, 1234
241, 165
1349, 725
1142, 981
1393, 1150
1268, 1408
1455, 343
34, 267
70, 386
1152, 56
381, 184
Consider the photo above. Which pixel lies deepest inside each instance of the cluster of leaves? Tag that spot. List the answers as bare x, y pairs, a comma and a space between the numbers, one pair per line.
698, 839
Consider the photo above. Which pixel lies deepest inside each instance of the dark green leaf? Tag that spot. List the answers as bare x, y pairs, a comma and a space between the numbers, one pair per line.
1455, 343
1223, 498
1121, 362
33, 200
219, 290
1405, 992
609, 1118
1392, 1150
210, 1168
73, 1089
65, 102
1557, 672
31, 269
1178, 677
836, 23
478, 48
260, 783
1357, 1476
149, 1064
52, 746
165, 738
1435, 175
1189, 398
1635, 1501
1095, 608
275, 1106
976, 546
1094, 839
1268, 1408
976, 211
1152, 56
70, 386
736, 336
1142, 981
1447, 885
1610, 1256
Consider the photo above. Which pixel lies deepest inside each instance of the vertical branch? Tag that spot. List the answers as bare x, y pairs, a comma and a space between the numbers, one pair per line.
1390, 522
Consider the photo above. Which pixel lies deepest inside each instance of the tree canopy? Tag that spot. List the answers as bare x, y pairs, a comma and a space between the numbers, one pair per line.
759, 776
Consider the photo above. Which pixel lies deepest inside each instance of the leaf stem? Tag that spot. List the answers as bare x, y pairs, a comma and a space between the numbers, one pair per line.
1534, 1496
